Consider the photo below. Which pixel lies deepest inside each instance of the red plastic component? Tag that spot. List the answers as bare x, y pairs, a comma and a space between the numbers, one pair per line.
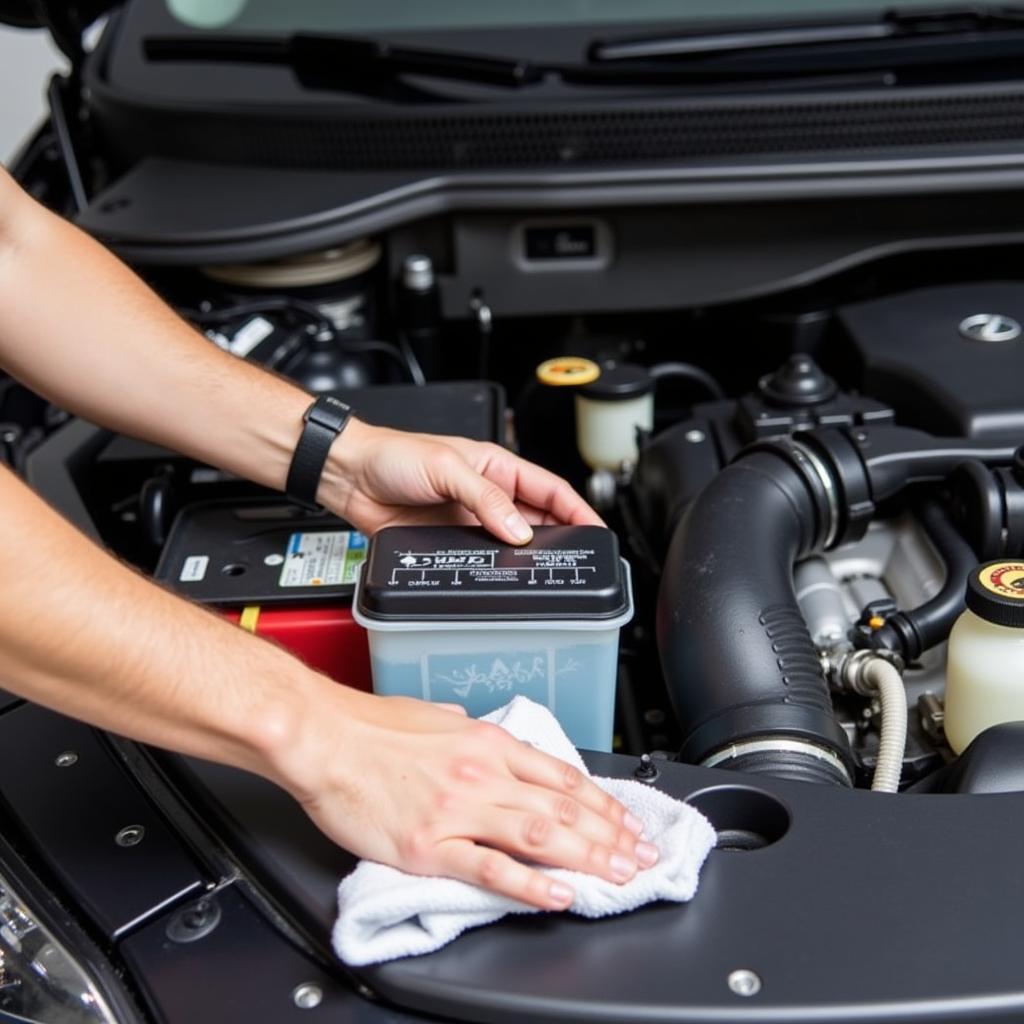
327, 639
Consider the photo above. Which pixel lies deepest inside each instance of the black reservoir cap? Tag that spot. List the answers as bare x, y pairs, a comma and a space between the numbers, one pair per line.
619, 382
995, 592
451, 573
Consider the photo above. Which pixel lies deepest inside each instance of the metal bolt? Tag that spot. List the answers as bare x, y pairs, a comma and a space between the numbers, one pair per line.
66, 760
694, 436
308, 996
194, 921
418, 273
646, 770
130, 835
744, 983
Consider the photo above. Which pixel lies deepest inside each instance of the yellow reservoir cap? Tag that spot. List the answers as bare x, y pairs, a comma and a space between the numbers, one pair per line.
566, 371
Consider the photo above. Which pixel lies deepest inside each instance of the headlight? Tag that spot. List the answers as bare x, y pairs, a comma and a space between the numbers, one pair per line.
39, 981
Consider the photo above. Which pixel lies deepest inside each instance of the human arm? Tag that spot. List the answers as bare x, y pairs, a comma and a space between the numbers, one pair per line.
80, 328
444, 795
83, 634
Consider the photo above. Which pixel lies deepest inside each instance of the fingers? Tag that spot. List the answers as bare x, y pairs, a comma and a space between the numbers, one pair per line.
568, 813
545, 492
494, 870
565, 811
540, 838
529, 765
453, 477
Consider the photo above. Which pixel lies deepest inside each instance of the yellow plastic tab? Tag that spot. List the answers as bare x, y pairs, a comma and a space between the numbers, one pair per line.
876, 622
249, 618
568, 370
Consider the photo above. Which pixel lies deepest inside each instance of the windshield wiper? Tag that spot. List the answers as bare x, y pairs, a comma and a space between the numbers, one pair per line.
823, 54
899, 31
352, 62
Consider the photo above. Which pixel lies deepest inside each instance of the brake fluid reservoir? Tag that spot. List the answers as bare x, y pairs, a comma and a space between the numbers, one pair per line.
608, 412
985, 668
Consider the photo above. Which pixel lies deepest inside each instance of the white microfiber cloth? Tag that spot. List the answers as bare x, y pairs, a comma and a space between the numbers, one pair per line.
385, 913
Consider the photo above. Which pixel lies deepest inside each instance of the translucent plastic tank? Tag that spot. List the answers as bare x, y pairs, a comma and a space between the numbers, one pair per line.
985, 666
455, 616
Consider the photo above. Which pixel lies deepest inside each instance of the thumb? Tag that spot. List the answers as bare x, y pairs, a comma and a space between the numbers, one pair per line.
456, 479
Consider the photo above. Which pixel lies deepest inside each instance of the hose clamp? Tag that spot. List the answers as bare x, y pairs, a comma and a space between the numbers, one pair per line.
849, 671
775, 745
818, 480
828, 486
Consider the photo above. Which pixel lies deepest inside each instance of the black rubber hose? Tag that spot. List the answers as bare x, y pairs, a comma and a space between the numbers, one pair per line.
688, 371
911, 633
738, 660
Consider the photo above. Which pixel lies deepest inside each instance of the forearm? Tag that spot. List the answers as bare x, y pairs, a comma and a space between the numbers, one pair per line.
80, 328
82, 633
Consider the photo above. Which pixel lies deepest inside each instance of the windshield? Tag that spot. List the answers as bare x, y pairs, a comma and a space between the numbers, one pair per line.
353, 16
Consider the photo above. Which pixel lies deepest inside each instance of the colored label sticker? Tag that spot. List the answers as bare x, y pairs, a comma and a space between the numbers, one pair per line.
1005, 579
328, 559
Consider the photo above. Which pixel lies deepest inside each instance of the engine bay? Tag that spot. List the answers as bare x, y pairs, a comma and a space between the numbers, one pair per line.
799, 500
771, 328
816, 473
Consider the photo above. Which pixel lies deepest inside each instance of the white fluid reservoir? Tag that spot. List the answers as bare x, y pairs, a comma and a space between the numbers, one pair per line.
985, 667
609, 412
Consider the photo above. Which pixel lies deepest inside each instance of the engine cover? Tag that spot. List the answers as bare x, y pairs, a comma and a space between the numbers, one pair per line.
949, 360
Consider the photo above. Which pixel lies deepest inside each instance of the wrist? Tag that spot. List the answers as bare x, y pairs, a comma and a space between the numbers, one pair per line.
344, 465
297, 732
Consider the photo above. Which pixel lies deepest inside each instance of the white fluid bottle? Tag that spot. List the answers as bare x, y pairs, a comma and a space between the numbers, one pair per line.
985, 665
609, 411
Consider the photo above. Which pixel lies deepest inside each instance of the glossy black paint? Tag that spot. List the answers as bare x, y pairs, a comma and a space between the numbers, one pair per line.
72, 815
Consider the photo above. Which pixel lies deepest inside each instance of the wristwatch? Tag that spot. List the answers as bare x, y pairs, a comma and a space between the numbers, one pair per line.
324, 420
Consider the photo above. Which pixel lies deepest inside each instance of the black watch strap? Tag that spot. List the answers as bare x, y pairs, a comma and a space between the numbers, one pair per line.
325, 419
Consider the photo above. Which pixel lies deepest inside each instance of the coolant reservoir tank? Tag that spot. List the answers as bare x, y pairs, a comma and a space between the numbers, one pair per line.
985, 668
609, 411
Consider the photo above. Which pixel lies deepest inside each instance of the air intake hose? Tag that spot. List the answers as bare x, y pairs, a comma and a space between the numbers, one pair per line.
741, 669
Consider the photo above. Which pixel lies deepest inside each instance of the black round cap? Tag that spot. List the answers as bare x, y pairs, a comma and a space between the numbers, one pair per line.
995, 592
798, 382
619, 382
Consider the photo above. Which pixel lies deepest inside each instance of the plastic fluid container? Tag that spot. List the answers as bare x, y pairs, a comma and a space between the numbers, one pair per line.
609, 411
455, 616
985, 667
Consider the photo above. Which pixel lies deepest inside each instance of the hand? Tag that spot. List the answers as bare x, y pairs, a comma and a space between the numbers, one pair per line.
377, 477
424, 788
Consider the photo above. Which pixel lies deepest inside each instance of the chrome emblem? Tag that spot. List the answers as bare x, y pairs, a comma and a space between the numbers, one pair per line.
990, 327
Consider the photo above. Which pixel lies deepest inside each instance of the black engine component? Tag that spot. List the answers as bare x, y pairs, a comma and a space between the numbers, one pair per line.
949, 360
910, 633
993, 763
741, 668
738, 660
679, 461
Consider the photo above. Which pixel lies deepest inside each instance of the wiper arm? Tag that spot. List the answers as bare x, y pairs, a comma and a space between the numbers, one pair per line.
893, 25
331, 60
823, 53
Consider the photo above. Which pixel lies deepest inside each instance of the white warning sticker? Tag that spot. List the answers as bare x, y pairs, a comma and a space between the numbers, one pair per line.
194, 569
322, 559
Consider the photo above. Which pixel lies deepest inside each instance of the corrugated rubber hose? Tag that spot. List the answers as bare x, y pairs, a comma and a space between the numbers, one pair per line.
884, 679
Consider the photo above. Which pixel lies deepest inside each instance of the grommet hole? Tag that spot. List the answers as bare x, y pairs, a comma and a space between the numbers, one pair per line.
745, 818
